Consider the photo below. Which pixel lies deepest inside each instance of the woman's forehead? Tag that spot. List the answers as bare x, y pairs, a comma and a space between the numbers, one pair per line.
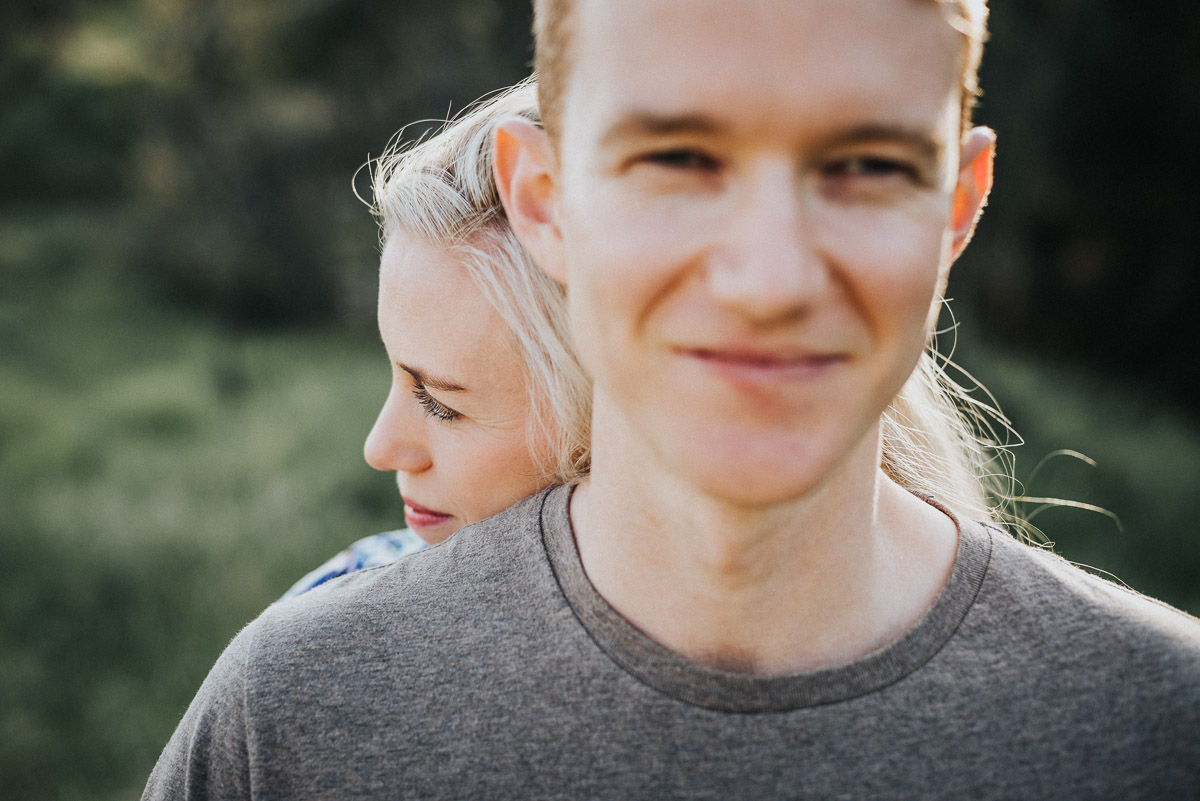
433, 314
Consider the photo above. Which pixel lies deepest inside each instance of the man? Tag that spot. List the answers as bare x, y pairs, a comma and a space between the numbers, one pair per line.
754, 207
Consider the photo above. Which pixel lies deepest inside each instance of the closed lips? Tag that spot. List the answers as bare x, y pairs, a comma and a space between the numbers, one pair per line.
412, 508
752, 358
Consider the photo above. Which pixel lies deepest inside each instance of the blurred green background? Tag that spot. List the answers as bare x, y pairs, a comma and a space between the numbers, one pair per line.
188, 362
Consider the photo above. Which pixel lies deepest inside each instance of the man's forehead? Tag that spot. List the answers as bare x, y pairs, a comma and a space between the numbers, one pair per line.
721, 64
712, 24
961, 15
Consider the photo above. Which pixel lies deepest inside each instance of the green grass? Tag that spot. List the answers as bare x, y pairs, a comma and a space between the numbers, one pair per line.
162, 480
148, 516
1146, 457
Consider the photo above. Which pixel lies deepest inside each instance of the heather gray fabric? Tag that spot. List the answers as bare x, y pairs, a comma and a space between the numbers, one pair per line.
488, 668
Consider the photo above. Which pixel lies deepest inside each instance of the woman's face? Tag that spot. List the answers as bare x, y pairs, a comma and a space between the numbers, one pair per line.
454, 426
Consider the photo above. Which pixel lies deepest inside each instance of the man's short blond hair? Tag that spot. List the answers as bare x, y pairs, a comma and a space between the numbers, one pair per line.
553, 28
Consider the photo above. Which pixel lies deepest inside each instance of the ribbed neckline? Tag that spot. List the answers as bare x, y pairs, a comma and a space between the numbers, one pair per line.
706, 687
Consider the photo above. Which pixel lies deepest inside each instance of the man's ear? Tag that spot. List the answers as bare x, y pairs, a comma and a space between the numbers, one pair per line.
525, 168
973, 185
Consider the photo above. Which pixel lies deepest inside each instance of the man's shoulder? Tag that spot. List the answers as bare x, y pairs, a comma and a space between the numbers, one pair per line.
1078, 664
413, 599
1041, 593
377, 654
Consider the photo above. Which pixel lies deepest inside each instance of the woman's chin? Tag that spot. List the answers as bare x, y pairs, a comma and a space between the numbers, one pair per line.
431, 528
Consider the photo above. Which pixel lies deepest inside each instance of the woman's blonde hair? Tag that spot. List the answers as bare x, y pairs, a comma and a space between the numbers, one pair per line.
942, 441
441, 189
937, 438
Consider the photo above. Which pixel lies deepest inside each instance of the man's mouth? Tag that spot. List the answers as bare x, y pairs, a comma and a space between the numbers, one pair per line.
765, 365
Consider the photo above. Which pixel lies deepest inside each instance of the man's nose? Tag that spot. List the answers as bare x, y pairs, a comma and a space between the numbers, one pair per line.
767, 264
397, 440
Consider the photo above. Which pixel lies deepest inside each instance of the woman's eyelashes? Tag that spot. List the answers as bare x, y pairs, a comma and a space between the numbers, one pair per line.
432, 406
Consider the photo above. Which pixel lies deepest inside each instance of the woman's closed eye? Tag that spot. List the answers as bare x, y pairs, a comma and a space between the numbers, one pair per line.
432, 406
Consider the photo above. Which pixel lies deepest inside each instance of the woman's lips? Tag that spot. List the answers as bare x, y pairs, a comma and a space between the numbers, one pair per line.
419, 517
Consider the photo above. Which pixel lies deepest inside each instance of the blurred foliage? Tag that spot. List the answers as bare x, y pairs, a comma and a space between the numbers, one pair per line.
1087, 439
186, 318
1089, 249
163, 480
232, 129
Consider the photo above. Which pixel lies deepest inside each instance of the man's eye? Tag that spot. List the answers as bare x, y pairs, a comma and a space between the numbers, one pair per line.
681, 159
432, 406
870, 167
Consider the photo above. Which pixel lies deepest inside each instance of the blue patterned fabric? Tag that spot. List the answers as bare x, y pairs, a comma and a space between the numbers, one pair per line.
380, 549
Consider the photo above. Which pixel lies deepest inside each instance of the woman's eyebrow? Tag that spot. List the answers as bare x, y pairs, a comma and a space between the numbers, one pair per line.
431, 381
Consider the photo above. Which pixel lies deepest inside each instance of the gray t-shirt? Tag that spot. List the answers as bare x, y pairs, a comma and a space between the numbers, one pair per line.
488, 667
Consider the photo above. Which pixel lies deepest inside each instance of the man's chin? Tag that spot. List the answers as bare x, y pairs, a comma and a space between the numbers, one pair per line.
753, 478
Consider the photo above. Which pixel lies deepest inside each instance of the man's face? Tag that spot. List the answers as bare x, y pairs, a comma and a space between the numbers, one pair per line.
754, 203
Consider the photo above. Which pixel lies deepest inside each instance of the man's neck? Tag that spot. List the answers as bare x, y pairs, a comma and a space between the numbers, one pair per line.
810, 583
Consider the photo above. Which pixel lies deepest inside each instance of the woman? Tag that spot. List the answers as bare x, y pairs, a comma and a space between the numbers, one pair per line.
488, 402
461, 300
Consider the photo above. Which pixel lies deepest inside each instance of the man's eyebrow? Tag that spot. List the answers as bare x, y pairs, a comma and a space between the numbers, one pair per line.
650, 124
430, 381
927, 143
647, 123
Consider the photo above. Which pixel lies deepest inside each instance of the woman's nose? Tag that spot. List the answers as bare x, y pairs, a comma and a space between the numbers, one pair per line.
397, 440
